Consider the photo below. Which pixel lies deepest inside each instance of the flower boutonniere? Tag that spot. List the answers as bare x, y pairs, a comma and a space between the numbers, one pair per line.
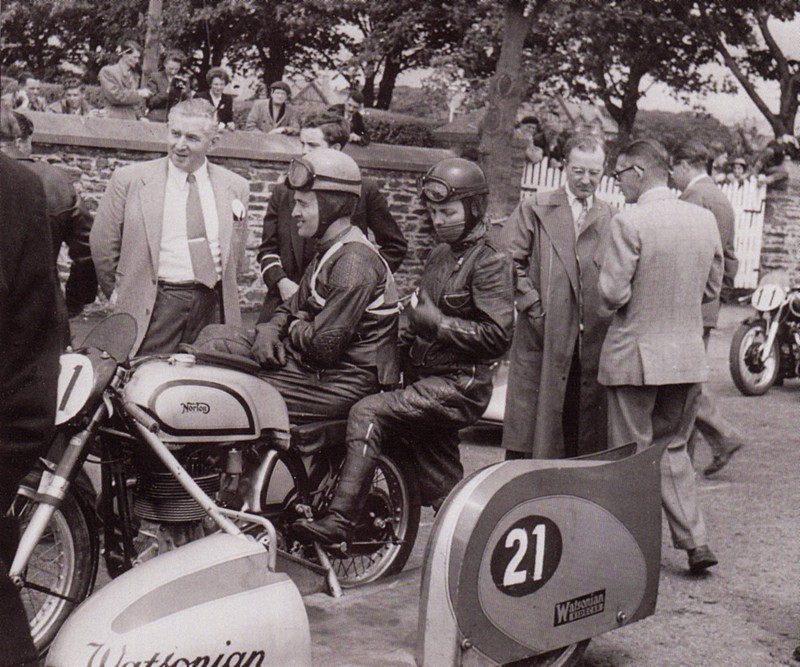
238, 210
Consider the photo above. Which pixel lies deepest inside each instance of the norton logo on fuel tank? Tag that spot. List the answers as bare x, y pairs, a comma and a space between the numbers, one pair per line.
196, 407
526, 556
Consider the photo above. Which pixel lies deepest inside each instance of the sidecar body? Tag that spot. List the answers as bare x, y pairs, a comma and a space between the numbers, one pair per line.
531, 557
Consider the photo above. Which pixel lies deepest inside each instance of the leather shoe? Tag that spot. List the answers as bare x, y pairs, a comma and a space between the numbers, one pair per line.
721, 460
700, 559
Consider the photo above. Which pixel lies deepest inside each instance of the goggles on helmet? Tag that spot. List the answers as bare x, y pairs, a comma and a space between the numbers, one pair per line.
301, 176
434, 189
437, 190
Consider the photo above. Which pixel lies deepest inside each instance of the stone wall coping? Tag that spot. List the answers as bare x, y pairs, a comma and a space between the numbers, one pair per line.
95, 132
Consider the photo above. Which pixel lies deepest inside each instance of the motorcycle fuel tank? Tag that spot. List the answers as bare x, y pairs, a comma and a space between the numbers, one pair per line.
210, 602
196, 402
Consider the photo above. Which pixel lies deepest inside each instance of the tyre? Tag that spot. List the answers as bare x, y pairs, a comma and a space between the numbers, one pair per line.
385, 534
562, 657
64, 562
751, 376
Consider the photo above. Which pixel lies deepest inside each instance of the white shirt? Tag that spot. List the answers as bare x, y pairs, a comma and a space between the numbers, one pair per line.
175, 263
694, 180
577, 207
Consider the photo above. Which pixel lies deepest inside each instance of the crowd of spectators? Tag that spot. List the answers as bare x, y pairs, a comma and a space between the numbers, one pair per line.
123, 95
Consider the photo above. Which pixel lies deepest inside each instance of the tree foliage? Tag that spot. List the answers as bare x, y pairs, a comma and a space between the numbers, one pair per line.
612, 50
742, 32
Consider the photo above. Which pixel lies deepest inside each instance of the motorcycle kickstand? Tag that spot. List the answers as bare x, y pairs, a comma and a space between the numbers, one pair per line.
334, 587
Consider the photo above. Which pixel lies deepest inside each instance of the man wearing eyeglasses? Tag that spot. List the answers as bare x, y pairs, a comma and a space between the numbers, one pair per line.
555, 407
662, 259
283, 255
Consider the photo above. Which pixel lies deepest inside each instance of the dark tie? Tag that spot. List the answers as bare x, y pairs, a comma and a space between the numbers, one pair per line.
581, 221
202, 263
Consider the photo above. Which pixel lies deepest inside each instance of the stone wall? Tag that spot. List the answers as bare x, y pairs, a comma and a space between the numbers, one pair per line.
781, 240
90, 149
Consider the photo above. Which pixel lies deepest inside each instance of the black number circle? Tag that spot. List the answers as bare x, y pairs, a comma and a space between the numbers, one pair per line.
526, 556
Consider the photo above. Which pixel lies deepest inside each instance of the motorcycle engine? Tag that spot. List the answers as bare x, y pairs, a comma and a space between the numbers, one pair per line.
168, 516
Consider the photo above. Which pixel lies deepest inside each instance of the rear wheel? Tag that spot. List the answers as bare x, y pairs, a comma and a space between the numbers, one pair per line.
60, 573
385, 535
752, 375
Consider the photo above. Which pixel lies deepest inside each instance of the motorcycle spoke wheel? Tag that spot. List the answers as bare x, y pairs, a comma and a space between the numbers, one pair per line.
751, 376
385, 536
60, 562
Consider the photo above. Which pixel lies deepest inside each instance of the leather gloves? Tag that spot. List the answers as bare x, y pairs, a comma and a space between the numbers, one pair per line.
268, 348
425, 316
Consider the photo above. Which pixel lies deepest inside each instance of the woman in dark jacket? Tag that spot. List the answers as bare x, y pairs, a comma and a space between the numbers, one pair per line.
217, 79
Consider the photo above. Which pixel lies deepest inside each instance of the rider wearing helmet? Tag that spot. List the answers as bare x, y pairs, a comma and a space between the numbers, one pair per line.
334, 340
462, 322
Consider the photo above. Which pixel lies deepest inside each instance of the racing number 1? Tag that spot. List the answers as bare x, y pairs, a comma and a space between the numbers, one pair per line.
70, 386
519, 536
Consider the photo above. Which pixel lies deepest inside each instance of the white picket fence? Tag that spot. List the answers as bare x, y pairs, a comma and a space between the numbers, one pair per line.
747, 201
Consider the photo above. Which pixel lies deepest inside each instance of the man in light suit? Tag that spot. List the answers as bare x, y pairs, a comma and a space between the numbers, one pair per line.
152, 261
555, 406
663, 258
119, 83
690, 175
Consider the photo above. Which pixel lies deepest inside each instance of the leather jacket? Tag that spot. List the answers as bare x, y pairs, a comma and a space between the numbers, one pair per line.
472, 284
336, 314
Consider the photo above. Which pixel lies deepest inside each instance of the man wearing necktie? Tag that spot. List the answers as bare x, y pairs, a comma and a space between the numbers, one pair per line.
168, 234
555, 408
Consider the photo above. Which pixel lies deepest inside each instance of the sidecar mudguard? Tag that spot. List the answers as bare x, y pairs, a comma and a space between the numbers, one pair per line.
210, 602
531, 556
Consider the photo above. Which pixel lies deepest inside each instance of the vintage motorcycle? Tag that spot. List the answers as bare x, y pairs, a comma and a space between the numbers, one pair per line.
187, 445
765, 348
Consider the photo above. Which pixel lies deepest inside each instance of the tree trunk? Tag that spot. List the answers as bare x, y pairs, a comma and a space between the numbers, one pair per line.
391, 68
505, 94
369, 84
151, 41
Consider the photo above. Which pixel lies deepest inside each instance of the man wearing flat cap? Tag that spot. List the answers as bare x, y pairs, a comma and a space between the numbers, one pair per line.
274, 115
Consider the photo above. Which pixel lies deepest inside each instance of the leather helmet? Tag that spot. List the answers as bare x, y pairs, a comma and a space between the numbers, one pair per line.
452, 179
325, 170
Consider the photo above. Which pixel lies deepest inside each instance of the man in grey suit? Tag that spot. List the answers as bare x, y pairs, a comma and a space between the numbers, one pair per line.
690, 175
168, 235
663, 258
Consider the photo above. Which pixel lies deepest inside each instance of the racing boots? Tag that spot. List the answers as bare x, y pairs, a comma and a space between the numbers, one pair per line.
336, 526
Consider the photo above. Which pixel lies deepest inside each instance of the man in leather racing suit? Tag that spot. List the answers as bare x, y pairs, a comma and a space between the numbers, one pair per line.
334, 341
462, 322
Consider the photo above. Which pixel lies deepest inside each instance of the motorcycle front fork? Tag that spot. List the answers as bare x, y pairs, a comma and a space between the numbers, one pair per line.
52, 490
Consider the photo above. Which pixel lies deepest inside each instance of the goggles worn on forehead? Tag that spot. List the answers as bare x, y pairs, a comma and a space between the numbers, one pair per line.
434, 189
301, 176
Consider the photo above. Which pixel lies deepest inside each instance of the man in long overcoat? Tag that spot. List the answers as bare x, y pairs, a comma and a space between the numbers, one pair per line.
555, 407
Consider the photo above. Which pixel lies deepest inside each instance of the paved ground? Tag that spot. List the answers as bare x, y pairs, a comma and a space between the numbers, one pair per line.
745, 613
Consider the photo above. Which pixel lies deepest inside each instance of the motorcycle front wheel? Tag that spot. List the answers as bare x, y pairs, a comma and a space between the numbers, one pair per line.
59, 574
751, 375
385, 535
